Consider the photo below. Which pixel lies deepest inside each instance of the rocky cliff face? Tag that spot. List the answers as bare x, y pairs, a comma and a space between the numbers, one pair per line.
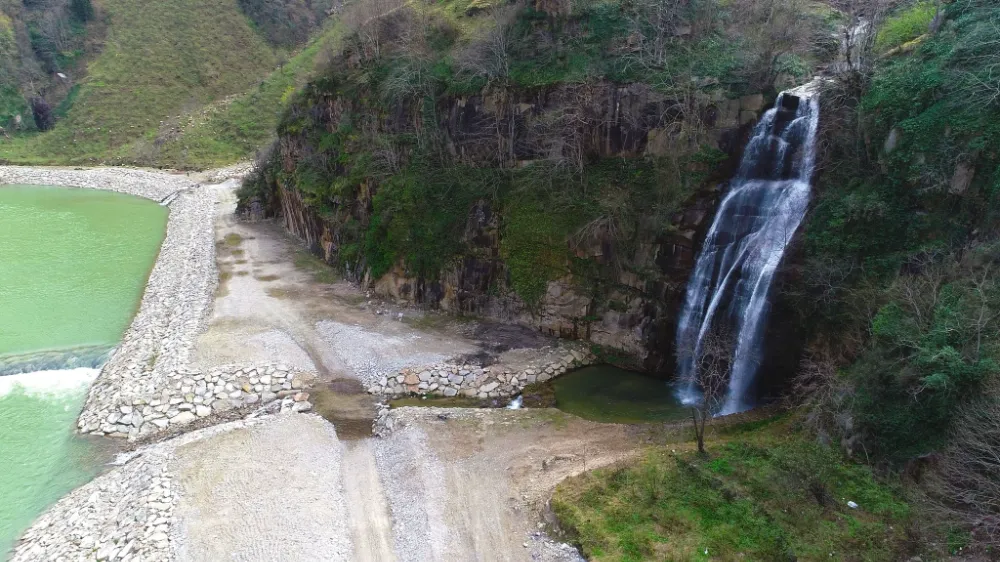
623, 297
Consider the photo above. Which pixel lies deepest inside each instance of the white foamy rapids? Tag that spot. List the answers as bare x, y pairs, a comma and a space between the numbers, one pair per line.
516, 403
49, 383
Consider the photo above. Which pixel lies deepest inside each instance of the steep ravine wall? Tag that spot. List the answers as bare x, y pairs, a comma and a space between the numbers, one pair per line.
630, 306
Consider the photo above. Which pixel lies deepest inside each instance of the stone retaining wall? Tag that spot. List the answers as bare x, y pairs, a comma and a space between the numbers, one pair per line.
473, 381
192, 394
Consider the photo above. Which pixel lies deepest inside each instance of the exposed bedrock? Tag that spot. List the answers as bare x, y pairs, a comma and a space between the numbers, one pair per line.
625, 299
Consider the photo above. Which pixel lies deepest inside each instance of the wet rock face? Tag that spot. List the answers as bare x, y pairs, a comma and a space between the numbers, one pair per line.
636, 309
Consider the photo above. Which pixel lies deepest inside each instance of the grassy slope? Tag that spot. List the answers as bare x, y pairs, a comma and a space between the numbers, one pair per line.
768, 493
234, 130
161, 59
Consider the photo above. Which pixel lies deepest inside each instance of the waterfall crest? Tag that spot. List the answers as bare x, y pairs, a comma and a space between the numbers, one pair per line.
756, 220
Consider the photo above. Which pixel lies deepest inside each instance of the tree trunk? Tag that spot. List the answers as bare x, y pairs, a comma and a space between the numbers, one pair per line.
699, 429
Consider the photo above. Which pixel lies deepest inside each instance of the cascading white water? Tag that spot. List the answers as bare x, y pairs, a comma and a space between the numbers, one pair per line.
756, 220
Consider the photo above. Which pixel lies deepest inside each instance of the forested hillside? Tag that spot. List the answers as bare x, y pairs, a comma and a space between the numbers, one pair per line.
898, 281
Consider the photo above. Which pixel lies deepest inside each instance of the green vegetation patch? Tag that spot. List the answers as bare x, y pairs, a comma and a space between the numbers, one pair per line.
232, 240
910, 23
320, 271
160, 61
766, 495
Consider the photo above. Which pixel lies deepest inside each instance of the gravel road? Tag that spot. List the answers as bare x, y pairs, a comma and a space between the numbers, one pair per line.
263, 493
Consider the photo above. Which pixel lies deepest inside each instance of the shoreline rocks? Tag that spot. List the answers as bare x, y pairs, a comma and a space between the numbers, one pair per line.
125, 514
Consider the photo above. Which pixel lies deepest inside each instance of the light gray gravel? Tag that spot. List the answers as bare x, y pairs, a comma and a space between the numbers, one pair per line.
371, 355
413, 479
269, 492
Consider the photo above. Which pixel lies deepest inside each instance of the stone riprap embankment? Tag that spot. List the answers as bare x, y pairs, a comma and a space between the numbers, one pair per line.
142, 183
191, 394
495, 381
147, 385
126, 514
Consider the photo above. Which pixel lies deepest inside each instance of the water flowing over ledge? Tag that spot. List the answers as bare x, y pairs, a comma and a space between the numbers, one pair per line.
87, 357
726, 306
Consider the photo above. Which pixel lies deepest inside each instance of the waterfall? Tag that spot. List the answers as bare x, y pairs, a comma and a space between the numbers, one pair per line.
756, 220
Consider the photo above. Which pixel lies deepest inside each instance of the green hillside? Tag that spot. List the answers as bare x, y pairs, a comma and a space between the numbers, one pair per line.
237, 127
170, 70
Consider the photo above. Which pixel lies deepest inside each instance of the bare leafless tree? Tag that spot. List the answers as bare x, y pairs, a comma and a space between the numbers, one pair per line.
966, 482
655, 24
710, 376
771, 29
864, 17
366, 19
488, 55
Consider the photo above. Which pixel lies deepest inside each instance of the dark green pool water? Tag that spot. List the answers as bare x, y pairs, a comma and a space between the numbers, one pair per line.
608, 394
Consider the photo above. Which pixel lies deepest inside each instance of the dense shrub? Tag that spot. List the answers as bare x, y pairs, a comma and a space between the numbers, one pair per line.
285, 22
82, 10
900, 245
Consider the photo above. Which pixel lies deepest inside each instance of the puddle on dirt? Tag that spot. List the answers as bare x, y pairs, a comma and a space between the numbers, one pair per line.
345, 404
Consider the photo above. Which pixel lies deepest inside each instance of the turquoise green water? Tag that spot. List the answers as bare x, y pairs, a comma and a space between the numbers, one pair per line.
73, 264
608, 394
